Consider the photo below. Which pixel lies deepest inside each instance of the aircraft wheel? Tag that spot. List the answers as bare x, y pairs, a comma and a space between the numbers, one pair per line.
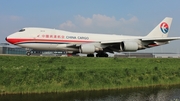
97, 55
105, 55
101, 55
28, 53
90, 55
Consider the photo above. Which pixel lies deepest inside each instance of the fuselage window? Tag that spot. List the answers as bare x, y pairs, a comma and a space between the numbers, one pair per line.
21, 30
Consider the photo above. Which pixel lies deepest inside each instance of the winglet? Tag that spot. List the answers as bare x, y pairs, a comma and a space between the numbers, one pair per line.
162, 29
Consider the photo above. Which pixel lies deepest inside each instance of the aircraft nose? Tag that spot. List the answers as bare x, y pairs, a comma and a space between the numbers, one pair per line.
9, 40
6, 39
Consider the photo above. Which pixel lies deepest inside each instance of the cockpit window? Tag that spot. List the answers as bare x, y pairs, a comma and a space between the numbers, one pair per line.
21, 30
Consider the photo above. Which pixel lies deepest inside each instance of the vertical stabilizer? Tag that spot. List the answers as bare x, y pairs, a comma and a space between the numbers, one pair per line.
162, 29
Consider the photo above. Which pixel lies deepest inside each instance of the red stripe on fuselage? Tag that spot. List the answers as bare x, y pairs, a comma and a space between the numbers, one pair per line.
16, 40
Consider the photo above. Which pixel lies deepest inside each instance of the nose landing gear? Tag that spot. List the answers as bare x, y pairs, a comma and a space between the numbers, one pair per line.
28, 53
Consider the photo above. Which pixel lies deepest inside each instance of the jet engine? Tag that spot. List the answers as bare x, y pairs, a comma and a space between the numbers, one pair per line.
129, 46
87, 48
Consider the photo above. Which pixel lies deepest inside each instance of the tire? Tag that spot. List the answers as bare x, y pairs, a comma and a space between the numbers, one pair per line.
28, 53
90, 55
101, 55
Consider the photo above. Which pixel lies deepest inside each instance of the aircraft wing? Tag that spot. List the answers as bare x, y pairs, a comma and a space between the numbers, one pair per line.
79, 44
73, 45
160, 39
111, 41
114, 45
142, 39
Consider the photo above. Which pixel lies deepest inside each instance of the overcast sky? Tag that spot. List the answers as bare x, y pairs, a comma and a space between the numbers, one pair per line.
123, 17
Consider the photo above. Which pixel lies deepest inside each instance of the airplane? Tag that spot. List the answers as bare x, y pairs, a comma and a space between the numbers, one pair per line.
89, 43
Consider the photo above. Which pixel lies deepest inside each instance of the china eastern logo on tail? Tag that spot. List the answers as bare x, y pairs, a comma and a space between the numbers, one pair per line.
164, 27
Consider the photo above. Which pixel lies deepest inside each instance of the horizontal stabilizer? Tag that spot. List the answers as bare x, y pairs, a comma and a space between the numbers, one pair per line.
161, 39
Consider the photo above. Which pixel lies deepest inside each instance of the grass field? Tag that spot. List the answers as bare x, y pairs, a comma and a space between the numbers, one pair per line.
22, 74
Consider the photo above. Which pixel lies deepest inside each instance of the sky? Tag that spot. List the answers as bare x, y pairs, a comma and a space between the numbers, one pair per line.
121, 17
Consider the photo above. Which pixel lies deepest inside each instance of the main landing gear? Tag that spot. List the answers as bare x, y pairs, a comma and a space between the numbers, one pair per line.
102, 55
90, 55
98, 55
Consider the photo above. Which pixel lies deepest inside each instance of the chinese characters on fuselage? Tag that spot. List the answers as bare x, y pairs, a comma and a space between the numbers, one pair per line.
62, 37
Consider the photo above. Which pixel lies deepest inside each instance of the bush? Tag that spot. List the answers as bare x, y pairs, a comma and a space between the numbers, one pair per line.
155, 78
49, 74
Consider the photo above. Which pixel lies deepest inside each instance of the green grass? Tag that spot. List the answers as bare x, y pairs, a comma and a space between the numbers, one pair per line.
22, 74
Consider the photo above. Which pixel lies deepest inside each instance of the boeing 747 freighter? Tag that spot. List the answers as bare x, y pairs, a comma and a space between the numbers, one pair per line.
88, 43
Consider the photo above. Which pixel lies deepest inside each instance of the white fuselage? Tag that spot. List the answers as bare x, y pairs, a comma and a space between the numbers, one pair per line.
52, 39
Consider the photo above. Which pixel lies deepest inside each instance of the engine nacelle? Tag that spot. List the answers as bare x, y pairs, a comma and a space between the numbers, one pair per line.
87, 48
129, 46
